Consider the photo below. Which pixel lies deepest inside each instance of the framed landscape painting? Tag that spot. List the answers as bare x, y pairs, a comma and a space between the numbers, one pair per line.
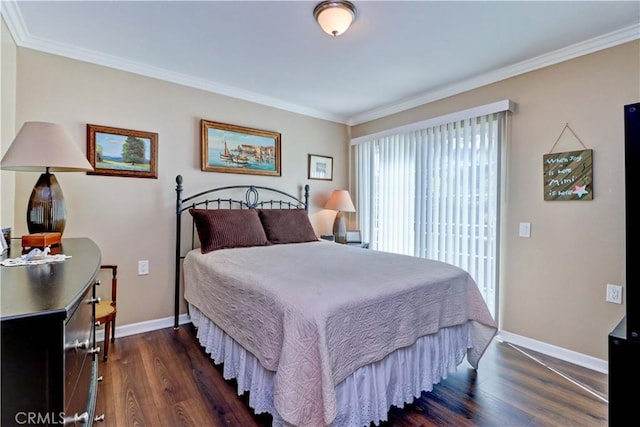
235, 149
122, 152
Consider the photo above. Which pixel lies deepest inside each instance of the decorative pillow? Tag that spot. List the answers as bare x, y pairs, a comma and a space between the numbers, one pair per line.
287, 225
228, 228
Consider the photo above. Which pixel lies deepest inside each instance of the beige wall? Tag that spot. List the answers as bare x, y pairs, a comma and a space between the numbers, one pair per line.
7, 119
553, 284
133, 219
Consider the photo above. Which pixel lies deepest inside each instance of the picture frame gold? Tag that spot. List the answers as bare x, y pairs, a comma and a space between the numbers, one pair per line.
122, 152
320, 167
228, 148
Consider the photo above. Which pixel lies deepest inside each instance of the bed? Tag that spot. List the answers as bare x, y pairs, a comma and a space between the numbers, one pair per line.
318, 333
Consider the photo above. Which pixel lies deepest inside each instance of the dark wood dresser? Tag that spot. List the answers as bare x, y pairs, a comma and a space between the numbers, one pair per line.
49, 364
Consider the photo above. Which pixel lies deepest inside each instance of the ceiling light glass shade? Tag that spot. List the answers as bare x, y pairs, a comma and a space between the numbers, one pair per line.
45, 147
335, 17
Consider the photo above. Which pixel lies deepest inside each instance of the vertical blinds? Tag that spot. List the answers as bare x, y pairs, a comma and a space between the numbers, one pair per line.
435, 193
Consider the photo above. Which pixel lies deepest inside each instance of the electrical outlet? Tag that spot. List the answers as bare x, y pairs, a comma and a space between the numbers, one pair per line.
143, 267
614, 293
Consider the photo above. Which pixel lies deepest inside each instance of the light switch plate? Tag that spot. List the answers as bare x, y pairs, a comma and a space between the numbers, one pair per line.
525, 229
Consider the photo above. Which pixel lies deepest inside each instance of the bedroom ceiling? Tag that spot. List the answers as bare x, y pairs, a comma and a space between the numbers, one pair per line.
396, 55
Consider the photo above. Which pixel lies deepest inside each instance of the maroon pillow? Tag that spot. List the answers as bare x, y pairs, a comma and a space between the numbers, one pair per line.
228, 228
287, 225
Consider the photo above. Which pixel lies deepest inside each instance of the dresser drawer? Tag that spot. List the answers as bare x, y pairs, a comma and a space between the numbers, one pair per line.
80, 400
78, 336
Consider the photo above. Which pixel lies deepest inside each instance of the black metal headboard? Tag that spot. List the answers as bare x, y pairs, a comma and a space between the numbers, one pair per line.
214, 198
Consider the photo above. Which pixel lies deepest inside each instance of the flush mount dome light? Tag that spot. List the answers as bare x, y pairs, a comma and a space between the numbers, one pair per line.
335, 17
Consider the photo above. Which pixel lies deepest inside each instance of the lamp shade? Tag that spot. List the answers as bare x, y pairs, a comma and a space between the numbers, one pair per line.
340, 200
42, 145
45, 147
335, 17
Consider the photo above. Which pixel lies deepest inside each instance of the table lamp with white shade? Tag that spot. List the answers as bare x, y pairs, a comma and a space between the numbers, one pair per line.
340, 201
45, 147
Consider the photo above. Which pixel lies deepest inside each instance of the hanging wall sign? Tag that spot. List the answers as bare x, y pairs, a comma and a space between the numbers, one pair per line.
568, 175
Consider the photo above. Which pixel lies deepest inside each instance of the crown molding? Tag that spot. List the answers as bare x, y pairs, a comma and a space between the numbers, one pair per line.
22, 38
579, 49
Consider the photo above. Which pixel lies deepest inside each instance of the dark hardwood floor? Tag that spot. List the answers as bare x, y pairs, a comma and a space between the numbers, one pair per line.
164, 378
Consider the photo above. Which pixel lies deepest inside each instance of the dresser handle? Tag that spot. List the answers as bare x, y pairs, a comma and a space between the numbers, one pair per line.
99, 418
94, 300
82, 418
100, 378
94, 350
80, 345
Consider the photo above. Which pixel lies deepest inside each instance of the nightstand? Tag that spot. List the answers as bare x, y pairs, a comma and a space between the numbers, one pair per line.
358, 244
354, 238
355, 235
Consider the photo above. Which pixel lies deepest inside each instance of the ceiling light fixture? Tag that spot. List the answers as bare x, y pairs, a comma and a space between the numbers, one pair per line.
335, 17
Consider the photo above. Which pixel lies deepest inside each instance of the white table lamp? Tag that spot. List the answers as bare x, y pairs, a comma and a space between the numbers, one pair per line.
340, 201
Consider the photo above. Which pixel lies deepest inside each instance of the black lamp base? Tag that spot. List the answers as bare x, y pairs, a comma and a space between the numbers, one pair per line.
46, 211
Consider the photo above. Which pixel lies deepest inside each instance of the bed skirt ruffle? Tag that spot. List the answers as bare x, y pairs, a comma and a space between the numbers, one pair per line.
363, 397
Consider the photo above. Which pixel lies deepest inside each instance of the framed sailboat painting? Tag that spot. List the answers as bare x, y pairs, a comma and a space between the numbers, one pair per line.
236, 149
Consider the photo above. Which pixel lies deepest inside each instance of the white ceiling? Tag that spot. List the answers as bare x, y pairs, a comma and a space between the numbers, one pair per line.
396, 55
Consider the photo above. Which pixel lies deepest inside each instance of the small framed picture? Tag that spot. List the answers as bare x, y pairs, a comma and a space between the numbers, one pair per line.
320, 167
5, 240
122, 152
353, 236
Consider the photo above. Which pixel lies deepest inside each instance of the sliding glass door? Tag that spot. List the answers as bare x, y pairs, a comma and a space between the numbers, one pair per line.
435, 193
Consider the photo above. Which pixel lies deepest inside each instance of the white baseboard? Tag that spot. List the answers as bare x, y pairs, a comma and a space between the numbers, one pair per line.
570, 356
141, 327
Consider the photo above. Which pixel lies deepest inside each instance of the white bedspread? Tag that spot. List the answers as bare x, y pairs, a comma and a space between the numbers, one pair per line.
315, 312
